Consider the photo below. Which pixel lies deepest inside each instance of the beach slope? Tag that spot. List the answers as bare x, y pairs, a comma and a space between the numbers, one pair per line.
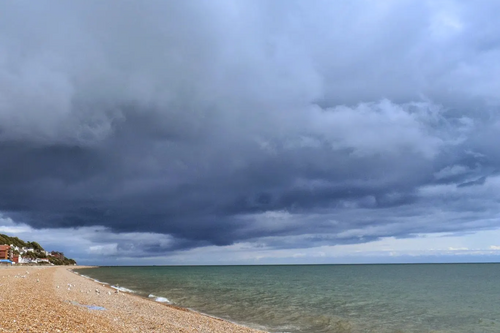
53, 299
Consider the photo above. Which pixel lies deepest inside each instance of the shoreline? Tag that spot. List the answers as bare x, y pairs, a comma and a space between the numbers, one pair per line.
58, 299
130, 292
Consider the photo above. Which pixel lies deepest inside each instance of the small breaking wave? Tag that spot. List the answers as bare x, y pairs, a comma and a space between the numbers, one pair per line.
95, 280
123, 289
160, 299
100, 282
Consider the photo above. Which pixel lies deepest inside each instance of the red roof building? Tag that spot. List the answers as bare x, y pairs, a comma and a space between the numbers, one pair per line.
58, 255
5, 252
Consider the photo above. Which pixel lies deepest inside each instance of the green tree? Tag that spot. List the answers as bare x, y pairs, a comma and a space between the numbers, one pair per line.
37, 247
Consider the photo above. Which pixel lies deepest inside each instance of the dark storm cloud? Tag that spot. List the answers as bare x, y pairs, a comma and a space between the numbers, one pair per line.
288, 124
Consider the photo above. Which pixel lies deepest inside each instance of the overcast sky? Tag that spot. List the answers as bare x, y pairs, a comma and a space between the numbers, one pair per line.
205, 132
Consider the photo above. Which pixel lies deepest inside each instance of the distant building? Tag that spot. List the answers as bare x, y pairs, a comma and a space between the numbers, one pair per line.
58, 255
24, 260
5, 252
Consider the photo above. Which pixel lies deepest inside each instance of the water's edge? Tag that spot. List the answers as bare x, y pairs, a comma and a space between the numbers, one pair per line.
167, 304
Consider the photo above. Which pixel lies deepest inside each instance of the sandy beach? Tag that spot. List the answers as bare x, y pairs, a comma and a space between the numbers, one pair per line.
54, 299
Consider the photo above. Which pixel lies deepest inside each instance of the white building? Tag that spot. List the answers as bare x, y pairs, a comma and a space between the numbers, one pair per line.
25, 260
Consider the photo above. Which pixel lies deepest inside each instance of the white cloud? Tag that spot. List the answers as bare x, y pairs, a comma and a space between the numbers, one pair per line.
106, 250
458, 248
450, 171
8, 226
381, 128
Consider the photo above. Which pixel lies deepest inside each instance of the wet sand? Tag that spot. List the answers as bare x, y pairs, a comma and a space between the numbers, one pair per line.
53, 299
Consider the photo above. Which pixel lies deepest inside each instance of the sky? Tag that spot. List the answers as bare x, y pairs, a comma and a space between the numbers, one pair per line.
252, 132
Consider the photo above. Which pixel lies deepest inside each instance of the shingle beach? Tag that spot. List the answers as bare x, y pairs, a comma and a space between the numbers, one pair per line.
54, 299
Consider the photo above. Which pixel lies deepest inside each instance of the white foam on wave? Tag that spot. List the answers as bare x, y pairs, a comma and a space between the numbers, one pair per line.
104, 283
162, 300
100, 282
122, 289
159, 299
95, 280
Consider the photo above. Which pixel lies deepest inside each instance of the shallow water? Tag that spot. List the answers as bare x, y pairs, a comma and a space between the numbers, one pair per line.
328, 298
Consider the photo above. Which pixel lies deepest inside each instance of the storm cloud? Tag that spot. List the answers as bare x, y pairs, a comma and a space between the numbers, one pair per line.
283, 124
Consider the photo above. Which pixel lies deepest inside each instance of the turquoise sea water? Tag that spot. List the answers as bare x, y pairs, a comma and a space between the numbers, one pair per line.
328, 298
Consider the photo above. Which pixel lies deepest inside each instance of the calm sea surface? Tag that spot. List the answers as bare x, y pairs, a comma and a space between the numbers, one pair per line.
331, 298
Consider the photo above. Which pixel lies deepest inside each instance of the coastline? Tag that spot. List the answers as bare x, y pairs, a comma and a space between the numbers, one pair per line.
152, 298
57, 299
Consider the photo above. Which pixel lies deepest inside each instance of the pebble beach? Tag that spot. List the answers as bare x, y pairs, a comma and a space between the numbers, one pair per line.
55, 299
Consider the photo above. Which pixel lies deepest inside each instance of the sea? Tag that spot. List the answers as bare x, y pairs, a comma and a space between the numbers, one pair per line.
400, 298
